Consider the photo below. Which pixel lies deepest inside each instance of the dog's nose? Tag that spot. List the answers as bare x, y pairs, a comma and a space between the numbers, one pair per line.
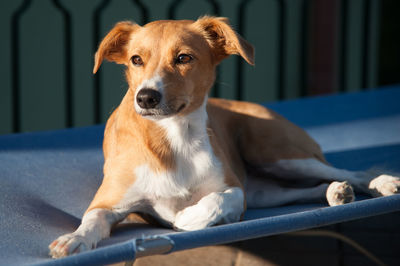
148, 98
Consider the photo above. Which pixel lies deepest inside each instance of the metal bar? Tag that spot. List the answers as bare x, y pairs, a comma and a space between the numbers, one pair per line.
304, 67
216, 92
239, 62
176, 3
366, 60
68, 64
285, 223
153, 245
342, 53
97, 78
171, 9
15, 58
143, 11
216, 8
282, 49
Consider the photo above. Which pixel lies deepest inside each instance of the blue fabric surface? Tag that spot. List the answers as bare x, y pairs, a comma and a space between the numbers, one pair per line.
49, 178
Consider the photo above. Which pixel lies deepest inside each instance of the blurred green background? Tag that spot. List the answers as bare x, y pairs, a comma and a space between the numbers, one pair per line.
303, 47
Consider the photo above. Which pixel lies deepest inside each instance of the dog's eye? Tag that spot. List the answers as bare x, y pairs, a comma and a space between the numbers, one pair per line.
183, 59
137, 60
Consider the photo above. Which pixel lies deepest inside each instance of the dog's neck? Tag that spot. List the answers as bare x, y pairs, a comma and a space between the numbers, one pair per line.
187, 134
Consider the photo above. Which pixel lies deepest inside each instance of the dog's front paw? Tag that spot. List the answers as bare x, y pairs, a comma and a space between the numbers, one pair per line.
215, 208
384, 185
69, 244
193, 218
339, 193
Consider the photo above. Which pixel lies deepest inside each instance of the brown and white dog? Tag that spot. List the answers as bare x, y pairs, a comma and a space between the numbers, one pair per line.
192, 162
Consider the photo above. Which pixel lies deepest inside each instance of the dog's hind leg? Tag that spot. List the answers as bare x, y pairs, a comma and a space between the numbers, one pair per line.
312, 169
262, 192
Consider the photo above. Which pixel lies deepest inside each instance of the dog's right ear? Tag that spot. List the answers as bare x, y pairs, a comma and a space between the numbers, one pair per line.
113, 46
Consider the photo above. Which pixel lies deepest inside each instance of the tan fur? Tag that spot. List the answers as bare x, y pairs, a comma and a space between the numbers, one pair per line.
270, 136
239, 132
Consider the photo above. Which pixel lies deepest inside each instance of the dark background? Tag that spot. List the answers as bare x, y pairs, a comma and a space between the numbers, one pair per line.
303, 48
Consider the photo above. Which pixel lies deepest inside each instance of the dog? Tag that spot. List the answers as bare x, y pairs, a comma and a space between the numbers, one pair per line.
191, 162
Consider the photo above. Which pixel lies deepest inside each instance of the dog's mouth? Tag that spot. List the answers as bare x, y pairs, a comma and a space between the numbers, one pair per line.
161, 112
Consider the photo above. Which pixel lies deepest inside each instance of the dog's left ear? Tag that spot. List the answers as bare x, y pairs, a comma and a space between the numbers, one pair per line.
113, 46
224, 41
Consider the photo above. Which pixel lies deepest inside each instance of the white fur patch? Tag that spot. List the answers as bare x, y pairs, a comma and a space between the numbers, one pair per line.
187, 134
339, 193
155, 83
216, 207
161, 185
194, 156
385, 185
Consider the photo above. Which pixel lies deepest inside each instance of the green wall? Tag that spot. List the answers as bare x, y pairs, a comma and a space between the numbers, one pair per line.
280, 31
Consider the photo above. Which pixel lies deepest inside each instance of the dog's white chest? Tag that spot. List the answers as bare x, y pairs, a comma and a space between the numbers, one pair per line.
189, 176
197, 170
195, 161
169, 192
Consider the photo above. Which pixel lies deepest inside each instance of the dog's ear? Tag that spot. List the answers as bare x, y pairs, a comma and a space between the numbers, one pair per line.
113, 46
223, 40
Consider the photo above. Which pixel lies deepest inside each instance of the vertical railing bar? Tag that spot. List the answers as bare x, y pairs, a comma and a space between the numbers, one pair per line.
365, 61
343, 45
171, 9
15, 58
68, 63
217, 86
239, 62
175, 3
97, 78
282, 49
216, 8
143, 11
304, 66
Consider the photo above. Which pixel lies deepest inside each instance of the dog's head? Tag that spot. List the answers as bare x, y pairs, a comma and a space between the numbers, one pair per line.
171, 64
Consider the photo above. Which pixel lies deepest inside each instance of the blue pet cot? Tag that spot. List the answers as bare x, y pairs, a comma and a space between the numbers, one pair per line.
48, 179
